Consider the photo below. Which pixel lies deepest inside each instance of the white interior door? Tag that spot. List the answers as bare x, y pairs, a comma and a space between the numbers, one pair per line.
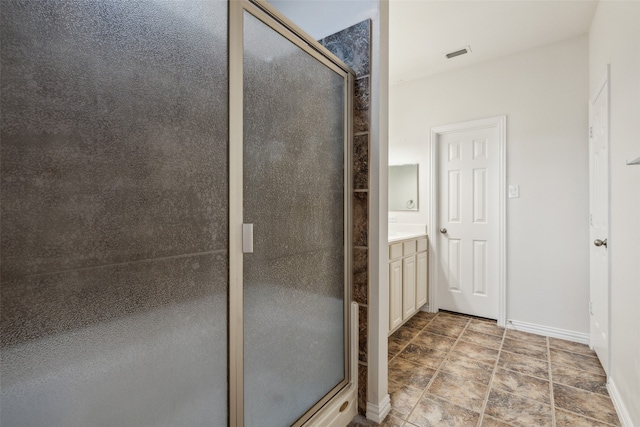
468, 220
599, 222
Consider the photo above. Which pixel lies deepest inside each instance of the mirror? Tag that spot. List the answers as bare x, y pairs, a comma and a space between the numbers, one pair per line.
403, 188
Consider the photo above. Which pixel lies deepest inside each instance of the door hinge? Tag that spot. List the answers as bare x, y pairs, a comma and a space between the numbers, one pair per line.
591, 220
590, 308
590, 131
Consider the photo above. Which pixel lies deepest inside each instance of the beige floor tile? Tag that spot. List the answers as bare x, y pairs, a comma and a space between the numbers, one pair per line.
585, 403
465, 393
403, 399
524, 364
567, 419
570, 346
391, 421
519, 395
423, 356
577, 361
360, 421
522, 385
517, 410
443, 327
526, 336
395, 346
525, 348
408, 373
467, 368
487, 421
417, 322
434, 341
405, 334
425, 315
432, 411
486, 327
476, 352
482, 339
578, 378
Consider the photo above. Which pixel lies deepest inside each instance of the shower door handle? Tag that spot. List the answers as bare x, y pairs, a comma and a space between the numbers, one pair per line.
247, 238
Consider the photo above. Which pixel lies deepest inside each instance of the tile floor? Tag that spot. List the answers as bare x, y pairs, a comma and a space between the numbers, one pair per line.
453, 370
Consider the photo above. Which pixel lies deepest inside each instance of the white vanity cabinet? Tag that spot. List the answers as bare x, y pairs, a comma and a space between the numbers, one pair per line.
407, 279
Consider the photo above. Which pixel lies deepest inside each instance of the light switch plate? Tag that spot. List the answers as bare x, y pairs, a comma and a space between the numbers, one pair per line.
514, 191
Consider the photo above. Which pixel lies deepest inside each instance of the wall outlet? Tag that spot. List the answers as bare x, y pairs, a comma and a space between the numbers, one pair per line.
393, 218
514, 191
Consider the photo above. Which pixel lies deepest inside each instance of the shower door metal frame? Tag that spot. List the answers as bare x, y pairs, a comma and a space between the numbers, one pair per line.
276, 21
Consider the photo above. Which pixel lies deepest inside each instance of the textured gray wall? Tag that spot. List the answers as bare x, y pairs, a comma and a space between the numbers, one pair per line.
353, 46
114, 210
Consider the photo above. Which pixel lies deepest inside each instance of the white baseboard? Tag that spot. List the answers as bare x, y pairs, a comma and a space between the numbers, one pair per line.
618, 403
380, 411
547, 331
425, 308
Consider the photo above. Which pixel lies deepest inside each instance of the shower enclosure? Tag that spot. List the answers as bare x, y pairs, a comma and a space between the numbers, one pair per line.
290, 171
174, 217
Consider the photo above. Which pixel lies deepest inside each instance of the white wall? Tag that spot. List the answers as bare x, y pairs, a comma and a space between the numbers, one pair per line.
544, 93
614, 38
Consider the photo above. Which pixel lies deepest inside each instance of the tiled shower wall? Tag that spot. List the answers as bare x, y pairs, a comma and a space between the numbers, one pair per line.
353, 46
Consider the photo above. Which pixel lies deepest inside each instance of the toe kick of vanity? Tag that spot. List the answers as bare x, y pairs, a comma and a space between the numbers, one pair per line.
408, 271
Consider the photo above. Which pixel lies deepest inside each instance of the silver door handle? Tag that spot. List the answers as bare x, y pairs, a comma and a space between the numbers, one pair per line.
599, 242
247, 238
443, 230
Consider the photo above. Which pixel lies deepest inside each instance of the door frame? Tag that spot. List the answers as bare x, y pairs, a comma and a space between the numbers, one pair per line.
327, 410
499, 122
604, 82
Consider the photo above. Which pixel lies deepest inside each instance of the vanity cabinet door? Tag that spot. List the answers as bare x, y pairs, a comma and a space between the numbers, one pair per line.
421, 279
395, 294
408, 286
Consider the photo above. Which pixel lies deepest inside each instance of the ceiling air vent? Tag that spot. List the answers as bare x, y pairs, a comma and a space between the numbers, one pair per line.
459, 52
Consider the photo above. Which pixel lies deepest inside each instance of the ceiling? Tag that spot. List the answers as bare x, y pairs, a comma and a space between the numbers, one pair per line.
421, 32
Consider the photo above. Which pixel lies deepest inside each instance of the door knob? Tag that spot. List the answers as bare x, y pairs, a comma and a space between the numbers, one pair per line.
443, 230
599, 242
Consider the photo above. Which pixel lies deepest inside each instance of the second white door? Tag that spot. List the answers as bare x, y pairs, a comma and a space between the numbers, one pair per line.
468, 219
599, 223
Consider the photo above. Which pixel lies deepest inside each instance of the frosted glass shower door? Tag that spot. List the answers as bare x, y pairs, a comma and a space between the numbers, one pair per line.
114, 198
293, 193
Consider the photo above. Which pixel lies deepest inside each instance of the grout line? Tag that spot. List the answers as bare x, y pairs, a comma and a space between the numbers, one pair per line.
401, 348
495, 369
583, 391
408, 342
522, 373
580, 369
588, 417
437, 371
